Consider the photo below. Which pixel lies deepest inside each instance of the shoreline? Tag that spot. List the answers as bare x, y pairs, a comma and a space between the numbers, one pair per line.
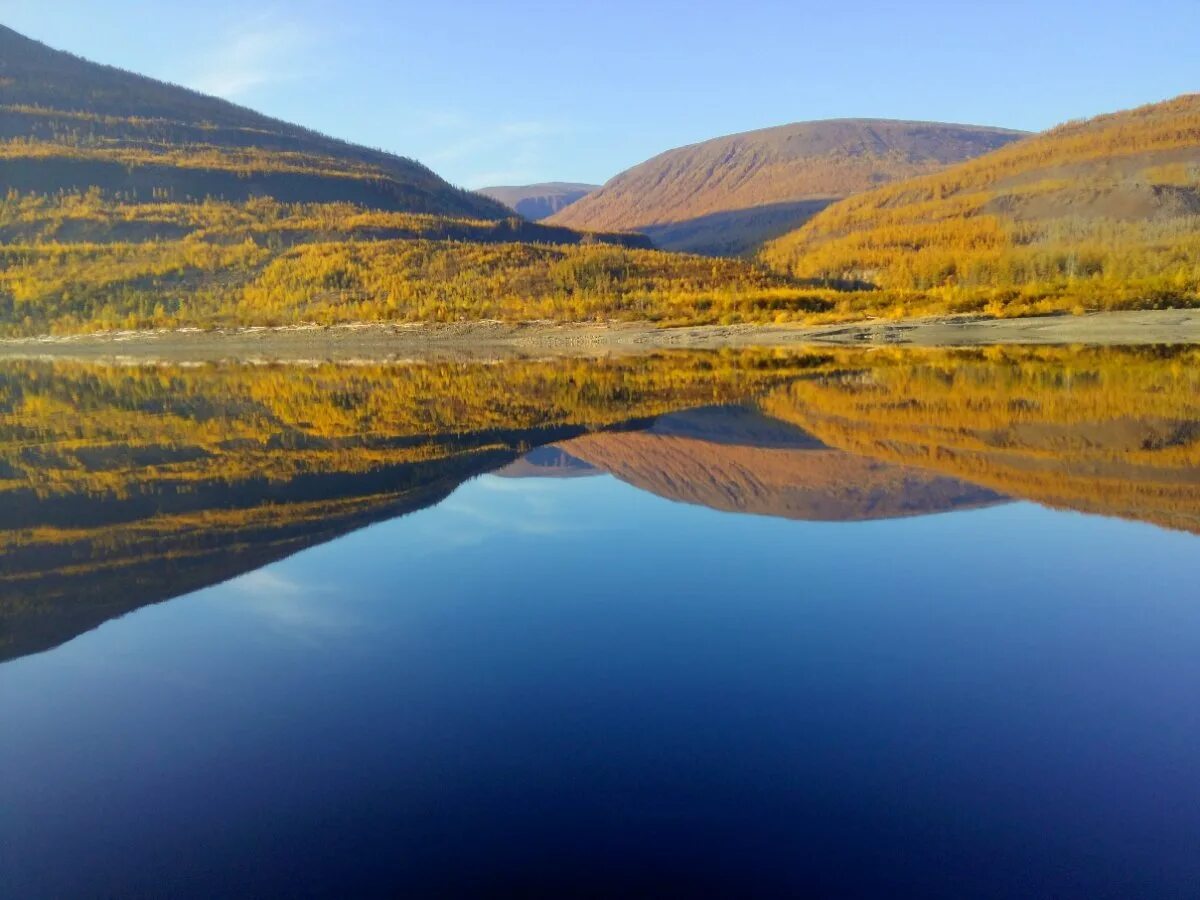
490, 340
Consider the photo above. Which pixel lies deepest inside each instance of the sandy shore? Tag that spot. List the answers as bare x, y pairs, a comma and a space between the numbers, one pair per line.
497, 340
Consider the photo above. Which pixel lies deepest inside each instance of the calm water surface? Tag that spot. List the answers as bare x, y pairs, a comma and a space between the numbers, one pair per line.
860, 624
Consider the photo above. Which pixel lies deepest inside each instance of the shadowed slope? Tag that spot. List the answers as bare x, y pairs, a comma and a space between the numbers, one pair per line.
70, 124
733, 231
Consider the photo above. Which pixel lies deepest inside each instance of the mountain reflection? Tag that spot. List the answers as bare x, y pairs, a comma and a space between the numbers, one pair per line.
128, 485
1106, 431
738, 460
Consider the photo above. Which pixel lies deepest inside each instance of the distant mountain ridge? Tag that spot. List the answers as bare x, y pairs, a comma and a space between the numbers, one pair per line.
539, 201
71, 124
729, 194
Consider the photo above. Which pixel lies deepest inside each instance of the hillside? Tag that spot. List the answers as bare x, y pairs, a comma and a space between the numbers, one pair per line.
1096, 214
70, 124
83, 262
133, 204
728, 195
539, 201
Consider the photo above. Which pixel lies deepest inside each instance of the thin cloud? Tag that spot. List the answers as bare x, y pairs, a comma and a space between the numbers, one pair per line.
520, 146
529, 506
523, 135
302, 610
254, 53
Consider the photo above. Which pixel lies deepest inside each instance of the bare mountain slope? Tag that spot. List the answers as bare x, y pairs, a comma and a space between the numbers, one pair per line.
730, 194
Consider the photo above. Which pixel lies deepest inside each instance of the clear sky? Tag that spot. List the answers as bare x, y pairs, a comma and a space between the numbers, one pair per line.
512, 91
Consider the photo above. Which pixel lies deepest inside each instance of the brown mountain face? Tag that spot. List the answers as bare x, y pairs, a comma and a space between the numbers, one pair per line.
539, 201
730, 194
68, 124
736, 460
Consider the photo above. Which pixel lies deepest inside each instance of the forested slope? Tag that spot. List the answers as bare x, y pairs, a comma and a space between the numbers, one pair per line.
70, 124
1102, 213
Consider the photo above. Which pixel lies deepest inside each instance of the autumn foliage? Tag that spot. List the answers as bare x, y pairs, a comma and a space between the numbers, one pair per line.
1102, 214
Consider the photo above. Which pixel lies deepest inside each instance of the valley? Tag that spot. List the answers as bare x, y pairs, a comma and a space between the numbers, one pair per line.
139, 211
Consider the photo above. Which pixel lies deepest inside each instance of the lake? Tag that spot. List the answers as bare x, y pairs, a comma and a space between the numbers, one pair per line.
833, 622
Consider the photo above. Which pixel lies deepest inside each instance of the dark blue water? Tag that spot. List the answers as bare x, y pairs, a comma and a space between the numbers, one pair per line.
570, 687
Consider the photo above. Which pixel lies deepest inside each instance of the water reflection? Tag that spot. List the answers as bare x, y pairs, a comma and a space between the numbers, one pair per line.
849, 661
123, 486
736, 459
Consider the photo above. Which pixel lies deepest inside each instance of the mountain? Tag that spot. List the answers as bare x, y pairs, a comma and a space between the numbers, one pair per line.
70, 124
728, 195
539, 201
1102, 213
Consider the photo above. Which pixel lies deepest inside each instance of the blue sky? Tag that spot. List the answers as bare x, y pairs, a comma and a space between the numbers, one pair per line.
511, 92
